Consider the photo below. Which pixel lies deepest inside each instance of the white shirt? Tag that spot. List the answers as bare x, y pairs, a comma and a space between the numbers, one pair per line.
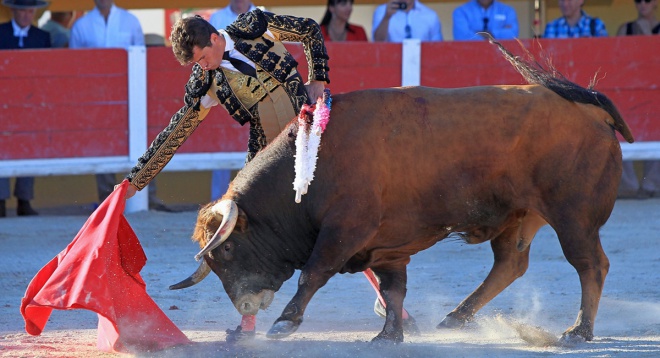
225, 16
122, 30
20, 32
207, 101
422, 21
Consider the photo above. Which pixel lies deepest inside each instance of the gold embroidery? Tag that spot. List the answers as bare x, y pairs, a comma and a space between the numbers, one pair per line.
248, 90
165, 145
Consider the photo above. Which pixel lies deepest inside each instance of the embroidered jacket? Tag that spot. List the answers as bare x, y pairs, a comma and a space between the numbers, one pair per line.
239, 93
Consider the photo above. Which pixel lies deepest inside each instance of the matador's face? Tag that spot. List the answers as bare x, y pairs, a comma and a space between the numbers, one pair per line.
210, 57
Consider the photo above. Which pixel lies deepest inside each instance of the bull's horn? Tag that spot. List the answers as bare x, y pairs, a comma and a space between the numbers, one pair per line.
229, 212
201, 273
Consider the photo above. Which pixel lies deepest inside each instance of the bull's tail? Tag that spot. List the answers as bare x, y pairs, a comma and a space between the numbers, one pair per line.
554, 81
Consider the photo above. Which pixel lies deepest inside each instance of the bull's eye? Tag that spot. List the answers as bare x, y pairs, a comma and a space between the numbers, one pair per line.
227, 250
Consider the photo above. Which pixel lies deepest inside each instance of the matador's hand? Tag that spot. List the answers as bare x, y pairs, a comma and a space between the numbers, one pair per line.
130, 191
315, 90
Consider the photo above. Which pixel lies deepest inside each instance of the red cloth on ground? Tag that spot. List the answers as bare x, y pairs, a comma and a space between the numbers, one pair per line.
100, 271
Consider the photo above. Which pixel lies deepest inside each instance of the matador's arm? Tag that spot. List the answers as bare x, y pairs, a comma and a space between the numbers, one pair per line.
181, 126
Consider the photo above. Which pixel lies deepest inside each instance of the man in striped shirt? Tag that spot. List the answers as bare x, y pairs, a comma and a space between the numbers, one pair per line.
574, 22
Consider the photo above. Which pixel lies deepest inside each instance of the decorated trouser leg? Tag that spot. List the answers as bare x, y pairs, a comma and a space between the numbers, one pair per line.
409, 324
243, 332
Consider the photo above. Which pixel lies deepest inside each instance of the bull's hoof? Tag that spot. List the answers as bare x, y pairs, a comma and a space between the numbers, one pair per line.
575, 335
384, 338
282, 329
410, 326
450, 322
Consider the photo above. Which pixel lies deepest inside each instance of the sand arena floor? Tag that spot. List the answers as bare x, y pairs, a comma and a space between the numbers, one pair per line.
339, 321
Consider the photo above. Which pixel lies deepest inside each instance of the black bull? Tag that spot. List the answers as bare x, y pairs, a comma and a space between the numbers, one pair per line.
401, 169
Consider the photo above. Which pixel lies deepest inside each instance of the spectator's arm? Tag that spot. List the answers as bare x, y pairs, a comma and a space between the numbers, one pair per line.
601, 31
549, 33
75, 41
436, 31
381, 21
622, 30
137, 33
509, 30
461, 26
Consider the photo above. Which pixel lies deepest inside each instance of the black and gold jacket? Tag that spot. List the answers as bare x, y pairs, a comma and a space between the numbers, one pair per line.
239, 93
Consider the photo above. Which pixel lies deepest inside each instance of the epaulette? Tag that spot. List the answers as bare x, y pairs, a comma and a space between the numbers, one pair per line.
249, 25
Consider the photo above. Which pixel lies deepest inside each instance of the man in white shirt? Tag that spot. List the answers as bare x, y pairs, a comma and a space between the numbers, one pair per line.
398, 20
107, 26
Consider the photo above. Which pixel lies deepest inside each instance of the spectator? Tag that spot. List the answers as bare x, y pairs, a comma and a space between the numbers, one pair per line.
574, 23
59, 26
225, 16
108, 26
645, 24
221, 19
397, 20
20, 34
335, 25
498, 19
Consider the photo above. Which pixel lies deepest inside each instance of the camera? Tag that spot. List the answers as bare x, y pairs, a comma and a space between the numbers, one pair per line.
401, 5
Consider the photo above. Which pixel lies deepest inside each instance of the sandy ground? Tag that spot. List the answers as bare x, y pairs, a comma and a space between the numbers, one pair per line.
339, 321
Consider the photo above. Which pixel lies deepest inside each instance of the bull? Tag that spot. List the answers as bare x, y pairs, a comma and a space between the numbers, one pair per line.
401, 169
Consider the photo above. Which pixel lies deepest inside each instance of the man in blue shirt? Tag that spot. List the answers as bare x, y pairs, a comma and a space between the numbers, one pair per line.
494, 17
574, 23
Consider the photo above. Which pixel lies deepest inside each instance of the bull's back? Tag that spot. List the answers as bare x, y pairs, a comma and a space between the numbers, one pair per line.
444, 151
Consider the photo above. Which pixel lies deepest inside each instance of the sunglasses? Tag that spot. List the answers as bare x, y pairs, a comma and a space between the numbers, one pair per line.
640, 1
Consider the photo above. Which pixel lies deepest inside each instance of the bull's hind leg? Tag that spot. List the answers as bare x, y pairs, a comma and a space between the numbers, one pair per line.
393, 289
509, 264
583, 250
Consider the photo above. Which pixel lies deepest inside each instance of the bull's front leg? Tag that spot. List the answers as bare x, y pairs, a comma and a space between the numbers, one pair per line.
326, 259
309, 282
393, 289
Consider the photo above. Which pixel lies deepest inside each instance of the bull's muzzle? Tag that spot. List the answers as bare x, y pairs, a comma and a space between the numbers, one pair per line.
251, 303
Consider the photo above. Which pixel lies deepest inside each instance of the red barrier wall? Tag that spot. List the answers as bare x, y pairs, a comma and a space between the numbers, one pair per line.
63, 103
73, 103
627, 69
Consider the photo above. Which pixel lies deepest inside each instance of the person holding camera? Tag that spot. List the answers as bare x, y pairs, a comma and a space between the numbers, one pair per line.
398, 20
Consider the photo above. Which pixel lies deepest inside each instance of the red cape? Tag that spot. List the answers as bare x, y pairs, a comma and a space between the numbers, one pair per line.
100, 271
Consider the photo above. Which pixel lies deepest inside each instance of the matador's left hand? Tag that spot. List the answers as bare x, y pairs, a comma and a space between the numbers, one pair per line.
315, 90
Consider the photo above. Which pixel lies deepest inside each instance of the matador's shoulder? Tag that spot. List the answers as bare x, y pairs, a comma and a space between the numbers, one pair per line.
249, 25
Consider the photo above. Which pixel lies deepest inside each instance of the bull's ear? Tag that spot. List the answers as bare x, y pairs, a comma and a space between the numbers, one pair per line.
242, 222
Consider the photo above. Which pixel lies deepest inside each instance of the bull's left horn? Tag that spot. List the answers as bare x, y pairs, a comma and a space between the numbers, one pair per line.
202, 271
229, 212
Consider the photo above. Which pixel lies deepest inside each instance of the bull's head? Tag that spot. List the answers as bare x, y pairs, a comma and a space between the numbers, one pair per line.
221, 231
